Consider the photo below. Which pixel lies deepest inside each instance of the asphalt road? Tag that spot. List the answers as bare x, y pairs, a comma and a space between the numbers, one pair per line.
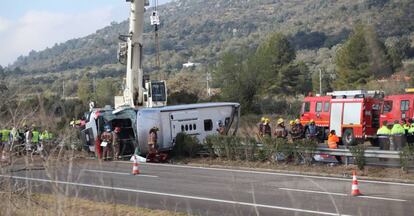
216, 191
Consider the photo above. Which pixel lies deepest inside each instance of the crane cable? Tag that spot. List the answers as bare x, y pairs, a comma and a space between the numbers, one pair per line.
156, 35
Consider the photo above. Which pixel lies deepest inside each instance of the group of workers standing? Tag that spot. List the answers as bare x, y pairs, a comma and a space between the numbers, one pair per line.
296, 130
31, 138
394, 136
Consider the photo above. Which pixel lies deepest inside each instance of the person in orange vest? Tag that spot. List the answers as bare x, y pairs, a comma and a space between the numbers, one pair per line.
333, 141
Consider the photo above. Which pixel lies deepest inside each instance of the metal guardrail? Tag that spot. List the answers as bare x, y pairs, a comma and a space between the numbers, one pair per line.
368, 153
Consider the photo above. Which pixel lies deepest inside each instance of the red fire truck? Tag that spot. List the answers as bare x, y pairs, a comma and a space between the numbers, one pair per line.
397, 107
354, 115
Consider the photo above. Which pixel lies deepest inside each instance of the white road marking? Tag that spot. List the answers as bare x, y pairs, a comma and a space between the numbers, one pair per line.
276, 174
175, 195
309, 191
342, 194
119, 173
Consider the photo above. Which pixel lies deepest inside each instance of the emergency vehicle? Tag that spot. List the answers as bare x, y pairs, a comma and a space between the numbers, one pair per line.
354, 115
397, 107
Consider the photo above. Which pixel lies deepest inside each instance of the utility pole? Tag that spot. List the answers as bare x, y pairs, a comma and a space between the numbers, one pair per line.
94, 85
63, 90
208, 84
320, 82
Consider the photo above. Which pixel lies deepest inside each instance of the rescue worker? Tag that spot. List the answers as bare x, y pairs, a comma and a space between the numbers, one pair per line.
260, 126
5, 141
35, 137
152, 140
398, 128
297, 130
28, 138
281, 131
398, 138
405, 125
107, 139
15, 137
116, 142
312, 130
152, 145
410, 135
267, 129
221, 129
383, 135
45, 137
333, 141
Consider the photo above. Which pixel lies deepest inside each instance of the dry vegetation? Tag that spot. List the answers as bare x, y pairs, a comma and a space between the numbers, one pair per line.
46, 204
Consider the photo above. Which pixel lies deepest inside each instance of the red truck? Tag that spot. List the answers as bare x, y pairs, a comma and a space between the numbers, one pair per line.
354, 115
397, 107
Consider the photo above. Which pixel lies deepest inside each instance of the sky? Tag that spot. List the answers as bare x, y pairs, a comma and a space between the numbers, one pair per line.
27, 25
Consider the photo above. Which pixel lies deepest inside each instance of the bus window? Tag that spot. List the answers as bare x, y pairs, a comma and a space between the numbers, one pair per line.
387, 107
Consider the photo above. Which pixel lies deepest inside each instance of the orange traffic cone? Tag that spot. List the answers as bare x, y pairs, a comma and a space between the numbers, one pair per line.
135, 169
355, 190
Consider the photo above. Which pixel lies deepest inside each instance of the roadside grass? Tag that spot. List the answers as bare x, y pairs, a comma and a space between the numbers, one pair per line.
47, 204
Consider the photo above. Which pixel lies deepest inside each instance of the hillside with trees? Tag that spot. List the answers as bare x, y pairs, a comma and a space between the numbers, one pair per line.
312, 36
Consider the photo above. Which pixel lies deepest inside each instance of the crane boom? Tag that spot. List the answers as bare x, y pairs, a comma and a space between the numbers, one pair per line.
137, 91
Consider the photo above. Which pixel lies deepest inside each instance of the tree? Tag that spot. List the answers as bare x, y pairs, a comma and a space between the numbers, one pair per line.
105, 92
398, 49
84, 90
271, 56
362, 58
236, 76
2, 73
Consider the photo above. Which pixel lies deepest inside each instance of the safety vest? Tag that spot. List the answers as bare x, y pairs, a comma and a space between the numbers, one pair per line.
333, 141
411, 130
46, 135
397, 129
384, 131
5, 135
35, 136
406, 127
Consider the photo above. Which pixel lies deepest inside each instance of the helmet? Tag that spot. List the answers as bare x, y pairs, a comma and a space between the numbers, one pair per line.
117, 130
267, 120
311, 121
107, 127
291, 122
263, 119
280, 121
297, 121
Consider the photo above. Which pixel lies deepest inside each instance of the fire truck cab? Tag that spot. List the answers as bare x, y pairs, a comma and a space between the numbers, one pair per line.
354, 115
397, 107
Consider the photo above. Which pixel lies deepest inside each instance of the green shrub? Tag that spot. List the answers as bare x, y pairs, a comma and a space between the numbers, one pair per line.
358, 154
406, 155
186, 145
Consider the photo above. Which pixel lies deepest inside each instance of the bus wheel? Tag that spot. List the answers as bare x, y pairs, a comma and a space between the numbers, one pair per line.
348, 138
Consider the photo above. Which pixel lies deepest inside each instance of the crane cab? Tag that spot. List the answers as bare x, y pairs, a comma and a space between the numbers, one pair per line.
155, 94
